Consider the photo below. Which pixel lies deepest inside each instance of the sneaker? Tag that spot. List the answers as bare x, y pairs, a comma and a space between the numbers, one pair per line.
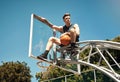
72, 47
42, 57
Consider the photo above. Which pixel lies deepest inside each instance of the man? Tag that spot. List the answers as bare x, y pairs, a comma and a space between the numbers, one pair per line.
68, 28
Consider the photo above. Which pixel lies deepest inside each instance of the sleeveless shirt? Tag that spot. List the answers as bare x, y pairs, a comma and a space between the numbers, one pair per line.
67, 29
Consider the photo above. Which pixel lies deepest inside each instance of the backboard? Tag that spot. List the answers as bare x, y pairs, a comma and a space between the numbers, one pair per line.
39, 35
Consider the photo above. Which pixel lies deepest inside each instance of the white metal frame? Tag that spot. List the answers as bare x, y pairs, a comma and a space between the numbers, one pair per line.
31, 35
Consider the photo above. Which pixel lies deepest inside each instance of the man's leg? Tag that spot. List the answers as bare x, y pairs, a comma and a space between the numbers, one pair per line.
73, 37
49, 46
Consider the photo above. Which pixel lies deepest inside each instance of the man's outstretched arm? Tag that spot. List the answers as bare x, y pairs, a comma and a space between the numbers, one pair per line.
45, 21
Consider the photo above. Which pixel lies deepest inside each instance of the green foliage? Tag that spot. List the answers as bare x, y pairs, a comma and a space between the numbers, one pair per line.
116, 53
14, 72
52, 72
100, 77
116, 39
74, 78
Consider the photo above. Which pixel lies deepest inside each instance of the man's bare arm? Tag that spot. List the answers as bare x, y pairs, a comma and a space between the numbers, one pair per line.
77, 29
43, 20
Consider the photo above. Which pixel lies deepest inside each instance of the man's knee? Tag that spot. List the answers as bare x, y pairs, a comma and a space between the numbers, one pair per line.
52, 39
72, 30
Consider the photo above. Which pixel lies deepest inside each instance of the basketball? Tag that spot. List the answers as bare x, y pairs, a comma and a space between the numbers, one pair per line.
65, 39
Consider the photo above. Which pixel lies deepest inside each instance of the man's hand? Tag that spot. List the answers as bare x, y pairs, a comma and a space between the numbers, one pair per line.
42, 19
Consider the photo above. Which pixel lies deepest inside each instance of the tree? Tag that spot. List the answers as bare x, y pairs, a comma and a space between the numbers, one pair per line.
14, 72
51, 72
116, 39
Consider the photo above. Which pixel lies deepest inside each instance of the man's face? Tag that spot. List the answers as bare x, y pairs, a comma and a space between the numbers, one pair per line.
67, 19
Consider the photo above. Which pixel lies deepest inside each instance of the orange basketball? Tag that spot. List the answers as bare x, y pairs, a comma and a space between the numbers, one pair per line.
65, 39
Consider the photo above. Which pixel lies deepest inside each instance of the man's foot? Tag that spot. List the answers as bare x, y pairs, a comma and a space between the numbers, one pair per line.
72, 47
43, 57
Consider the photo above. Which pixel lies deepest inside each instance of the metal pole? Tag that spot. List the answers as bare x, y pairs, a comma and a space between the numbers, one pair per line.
113, 58
94, 76
31, 33
78, 65
106, 60
65, 78
54, 48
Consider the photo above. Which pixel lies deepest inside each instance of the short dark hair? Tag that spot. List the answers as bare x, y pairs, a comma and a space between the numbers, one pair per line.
66, 14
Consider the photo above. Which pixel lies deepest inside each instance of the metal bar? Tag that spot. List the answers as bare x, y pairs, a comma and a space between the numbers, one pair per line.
106, 61
54, 48
58, 78
78, 65
84, 48
100, 60
94, 76
98, 68
65, 79
100, 41
89, 53
112, 58
31, 33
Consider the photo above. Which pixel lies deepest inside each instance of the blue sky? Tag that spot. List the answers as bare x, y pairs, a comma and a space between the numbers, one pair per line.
97, 19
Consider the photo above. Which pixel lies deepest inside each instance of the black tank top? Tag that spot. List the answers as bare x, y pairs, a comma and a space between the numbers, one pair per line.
66, 29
